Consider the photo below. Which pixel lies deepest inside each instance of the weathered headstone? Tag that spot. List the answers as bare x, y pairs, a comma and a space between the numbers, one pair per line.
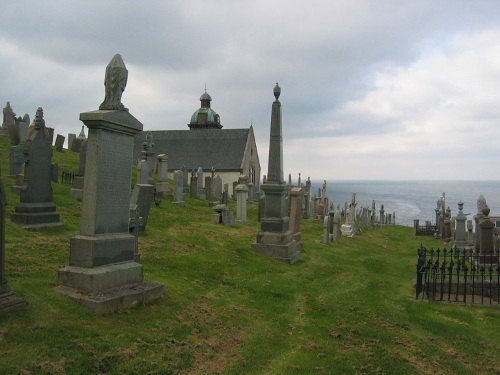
77, 191
36, 207
193, 187
77, 142
8, 299
71, 138
275, 237
143, 172
9, 120
481, 204
179, 188
60, 142
241, 203
336, 230
460, 229
217, 188
486, 251
296, 196
208, 188
201, 191
142, 197
162, 184
103, 273
185, 180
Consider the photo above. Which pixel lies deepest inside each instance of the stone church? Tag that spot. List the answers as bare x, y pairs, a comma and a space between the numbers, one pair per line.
231, 152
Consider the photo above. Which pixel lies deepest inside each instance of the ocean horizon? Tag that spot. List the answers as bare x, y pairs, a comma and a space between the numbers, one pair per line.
413, 199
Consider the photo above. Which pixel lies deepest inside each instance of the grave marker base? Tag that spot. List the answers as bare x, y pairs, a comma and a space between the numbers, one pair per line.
117, 299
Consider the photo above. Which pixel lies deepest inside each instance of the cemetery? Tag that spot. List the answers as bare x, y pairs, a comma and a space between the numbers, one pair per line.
147, 272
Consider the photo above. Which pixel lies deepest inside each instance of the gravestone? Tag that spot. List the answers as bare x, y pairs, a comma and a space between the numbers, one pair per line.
326, 232
262, 206
208, 188
296, 196
9, 120
470, 234
307, 200
8, 299
71, 138
76, 145
193, 187
179, 188
217, 189
16, 159
201, 191
77, 191
36, 208
150, 154
162, 184
60, 142
185, 180
103, 273
142, 197
336, 228
225, 194
241, 203
275, 237
481, 203
143, 172
487, 254
460, 229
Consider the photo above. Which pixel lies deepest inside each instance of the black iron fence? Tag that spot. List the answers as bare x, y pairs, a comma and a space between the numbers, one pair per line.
68, 177
455, 275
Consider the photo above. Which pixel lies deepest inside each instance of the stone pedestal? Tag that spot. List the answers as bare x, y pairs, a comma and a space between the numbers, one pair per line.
241, 203
487, 254
102, 258
77, 191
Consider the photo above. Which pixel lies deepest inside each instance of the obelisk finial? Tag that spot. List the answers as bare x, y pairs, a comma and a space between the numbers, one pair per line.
277, 91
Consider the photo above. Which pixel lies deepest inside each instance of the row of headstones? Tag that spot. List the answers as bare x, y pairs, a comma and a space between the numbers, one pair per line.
318, 207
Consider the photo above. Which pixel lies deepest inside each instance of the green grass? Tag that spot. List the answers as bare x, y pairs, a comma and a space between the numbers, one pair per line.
345, 308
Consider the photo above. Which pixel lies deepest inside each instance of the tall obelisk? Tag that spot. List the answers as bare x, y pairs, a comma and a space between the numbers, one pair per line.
275, 238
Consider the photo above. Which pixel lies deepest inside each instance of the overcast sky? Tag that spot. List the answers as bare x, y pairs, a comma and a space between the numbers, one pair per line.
370, 89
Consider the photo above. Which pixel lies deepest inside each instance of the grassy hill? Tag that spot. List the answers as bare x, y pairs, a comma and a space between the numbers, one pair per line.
345, 308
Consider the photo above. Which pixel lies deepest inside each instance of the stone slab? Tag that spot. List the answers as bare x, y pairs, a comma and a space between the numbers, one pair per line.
118, 299
102, 278
10, 301
288, 253
95, 251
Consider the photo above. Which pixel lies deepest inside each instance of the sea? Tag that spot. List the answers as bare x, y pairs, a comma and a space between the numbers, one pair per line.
411, 200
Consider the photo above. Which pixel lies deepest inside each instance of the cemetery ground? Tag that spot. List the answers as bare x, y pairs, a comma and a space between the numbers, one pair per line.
345, 308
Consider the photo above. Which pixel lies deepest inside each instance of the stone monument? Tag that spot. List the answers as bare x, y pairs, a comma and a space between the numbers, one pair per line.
36, 208
275, 237
103, 273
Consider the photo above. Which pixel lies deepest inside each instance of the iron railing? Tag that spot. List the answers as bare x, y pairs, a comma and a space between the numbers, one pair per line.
462, 276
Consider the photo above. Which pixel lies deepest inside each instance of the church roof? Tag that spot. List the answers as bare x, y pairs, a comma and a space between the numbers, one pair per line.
222, 149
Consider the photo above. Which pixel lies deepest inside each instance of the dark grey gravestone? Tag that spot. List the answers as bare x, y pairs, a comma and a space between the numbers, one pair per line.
142, 196
193, 188
16, 159
71, 138
36, 207
217, 188
8, 299
185, 180
103, 273
60, 142
77, 191
275, 237
54, 172
208, 188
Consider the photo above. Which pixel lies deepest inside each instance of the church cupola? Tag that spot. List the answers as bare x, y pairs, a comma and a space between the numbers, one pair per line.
205, 117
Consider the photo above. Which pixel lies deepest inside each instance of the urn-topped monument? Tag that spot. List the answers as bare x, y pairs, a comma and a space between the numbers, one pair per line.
275, 237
